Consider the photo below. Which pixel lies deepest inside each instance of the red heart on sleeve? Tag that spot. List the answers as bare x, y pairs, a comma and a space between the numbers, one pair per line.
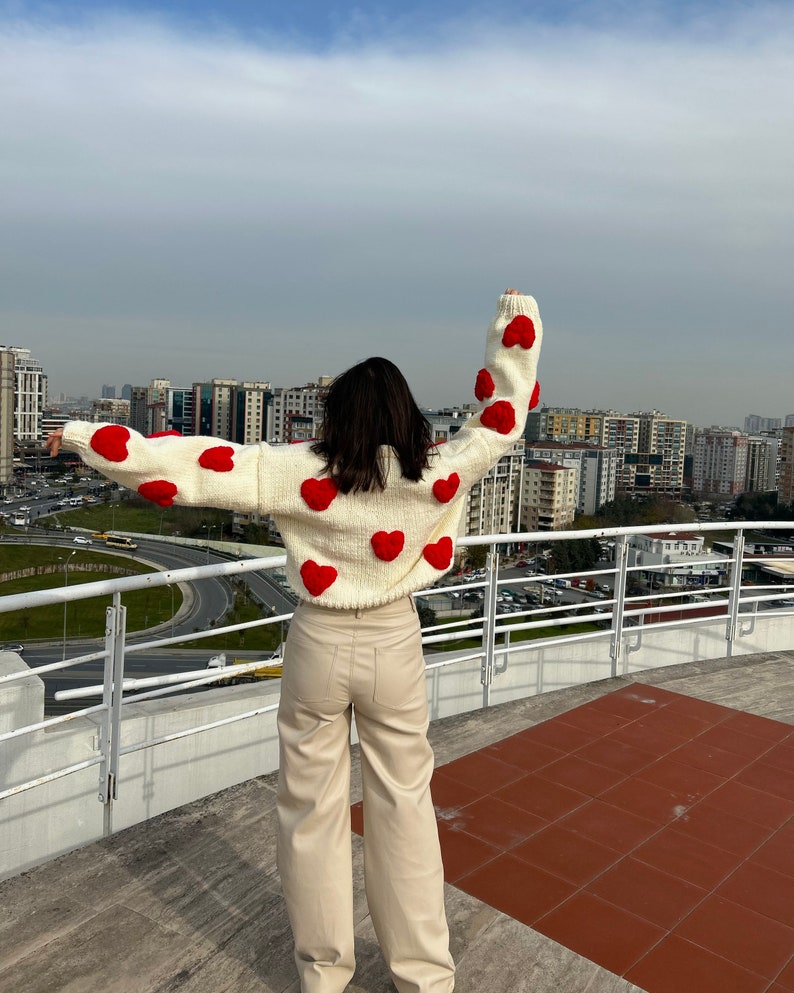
159, 491
164, 434
439, 555
218, 459
445, 489
484, 385
534, 400
500, 417
319, 493
387, 545
520, 331
317, 578
111, 442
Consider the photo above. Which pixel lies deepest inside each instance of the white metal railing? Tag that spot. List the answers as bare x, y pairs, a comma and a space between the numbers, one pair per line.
491, 639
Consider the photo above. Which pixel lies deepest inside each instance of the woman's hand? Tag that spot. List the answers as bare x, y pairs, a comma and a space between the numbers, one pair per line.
517, 293
54, 442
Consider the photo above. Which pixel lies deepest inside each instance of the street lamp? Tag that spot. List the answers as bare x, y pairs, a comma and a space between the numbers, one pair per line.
209, 528
65, 584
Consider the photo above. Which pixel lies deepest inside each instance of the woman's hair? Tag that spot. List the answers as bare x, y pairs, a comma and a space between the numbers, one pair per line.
368, 406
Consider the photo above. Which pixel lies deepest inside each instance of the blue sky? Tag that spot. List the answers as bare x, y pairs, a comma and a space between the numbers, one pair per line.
276, 191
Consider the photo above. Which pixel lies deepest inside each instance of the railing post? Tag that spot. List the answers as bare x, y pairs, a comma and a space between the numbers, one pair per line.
735, 595
489, 623
621, 565
110, 728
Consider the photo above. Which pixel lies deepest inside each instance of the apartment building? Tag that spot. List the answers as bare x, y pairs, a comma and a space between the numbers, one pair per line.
30, 393
493, 504
6, 417
297, 410
719, 462
147, 407
569, 425
597, 470
785, 486
110, 411
548, 496
763, 455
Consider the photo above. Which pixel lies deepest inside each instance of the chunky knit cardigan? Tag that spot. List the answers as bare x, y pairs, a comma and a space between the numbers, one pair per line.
343, 550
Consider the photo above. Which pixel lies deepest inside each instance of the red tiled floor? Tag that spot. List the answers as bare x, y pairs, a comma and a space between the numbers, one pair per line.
648, 800
565, 854
578, 774
752, 804
688, 858
601, 932
524, 752
786, 976
482, 772
676, 965
646, 892
648, 831
462, 852
517, 888
496, 822
715, 826
541, 797
610, 826
741, 935
763, 890
694, 783
556, 734
627, 759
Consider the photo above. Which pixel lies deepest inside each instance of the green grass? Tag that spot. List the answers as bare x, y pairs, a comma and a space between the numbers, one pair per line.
535, 634
142, 518
261, 639
84, 618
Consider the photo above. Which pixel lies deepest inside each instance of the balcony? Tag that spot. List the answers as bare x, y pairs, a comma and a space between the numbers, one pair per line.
168, 880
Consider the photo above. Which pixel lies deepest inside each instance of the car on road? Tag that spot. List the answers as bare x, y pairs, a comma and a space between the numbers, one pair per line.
12, 646
80, 540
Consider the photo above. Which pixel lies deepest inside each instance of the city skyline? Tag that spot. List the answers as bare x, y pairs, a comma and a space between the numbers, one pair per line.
202, 194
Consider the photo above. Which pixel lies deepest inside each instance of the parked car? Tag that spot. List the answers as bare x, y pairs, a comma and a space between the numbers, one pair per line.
80, 540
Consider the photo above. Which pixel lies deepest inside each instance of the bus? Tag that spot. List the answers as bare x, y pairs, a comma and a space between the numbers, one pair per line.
116, 541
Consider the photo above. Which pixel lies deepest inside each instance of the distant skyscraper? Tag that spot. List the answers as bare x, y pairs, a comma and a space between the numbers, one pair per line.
126, 391
108, 392
789, 422
754, 423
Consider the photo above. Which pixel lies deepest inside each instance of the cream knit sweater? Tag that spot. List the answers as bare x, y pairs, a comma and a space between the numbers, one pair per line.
343, 551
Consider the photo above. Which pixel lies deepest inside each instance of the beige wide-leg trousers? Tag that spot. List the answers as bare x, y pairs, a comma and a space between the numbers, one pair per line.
369, 660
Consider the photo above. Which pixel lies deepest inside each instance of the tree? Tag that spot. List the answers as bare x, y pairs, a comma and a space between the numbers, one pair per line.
427, 617
476, 556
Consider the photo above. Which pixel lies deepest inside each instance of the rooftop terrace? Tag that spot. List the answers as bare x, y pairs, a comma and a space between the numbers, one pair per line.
673, 787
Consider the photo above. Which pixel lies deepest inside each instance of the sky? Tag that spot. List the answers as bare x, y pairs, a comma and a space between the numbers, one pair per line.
268, 191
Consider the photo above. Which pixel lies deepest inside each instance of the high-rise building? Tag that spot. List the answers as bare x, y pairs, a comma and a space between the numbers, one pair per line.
754, 423
110, 411
251, 408
762, 463
108, 392
719, 464
179, 410
147, 407
493, 503
6, 417
548, 496
297, 410
30, 394
596, 465
785, 486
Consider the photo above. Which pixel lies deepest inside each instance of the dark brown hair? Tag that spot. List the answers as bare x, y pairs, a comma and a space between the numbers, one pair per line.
368, 406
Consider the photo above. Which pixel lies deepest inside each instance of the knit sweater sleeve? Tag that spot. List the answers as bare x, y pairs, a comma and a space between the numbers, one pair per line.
170, 469
506, 386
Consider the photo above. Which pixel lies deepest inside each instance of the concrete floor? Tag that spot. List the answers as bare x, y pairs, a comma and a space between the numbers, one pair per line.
190, 901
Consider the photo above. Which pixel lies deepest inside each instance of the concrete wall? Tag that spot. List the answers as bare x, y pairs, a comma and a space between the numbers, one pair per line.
57, 817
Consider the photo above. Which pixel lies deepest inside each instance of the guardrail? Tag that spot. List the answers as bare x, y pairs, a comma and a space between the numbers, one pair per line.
491, 639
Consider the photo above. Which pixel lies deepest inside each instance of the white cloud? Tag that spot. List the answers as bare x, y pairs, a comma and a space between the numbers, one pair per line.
215, 208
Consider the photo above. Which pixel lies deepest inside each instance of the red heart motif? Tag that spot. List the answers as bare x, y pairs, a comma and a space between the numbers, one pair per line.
319, 493
500, 417
111, 442
439, 555
445, 489
317, 578
520, 331
159, 491
534, 400
218, 459
387, 545
484, 385
164, 434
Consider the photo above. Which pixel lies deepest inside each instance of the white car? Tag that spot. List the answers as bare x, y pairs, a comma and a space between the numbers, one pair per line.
79, 540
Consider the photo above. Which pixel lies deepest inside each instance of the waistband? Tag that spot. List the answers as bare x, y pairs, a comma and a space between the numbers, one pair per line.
392, 607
